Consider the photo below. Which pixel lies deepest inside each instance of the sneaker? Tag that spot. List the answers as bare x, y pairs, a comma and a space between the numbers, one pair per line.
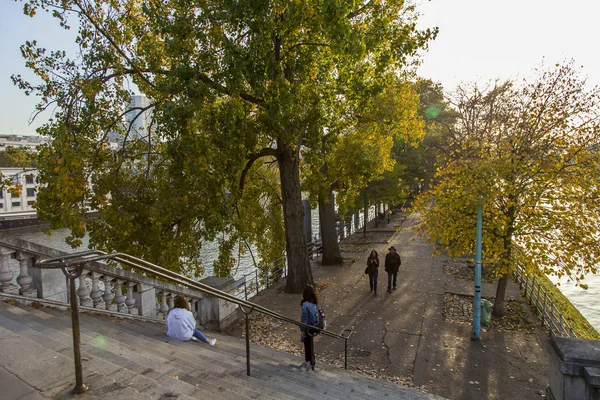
212, 341
375, 293
394, 288
194, 338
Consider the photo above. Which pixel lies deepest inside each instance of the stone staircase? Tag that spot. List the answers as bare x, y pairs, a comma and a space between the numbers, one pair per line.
132, 359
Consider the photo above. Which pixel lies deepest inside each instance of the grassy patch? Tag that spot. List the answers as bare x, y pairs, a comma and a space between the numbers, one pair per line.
580, 325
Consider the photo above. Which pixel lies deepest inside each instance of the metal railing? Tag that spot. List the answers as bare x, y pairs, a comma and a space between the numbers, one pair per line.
543, 305
72, 266
262, 278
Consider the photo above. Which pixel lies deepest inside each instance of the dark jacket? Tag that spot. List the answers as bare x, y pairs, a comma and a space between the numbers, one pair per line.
392, 262
372, 263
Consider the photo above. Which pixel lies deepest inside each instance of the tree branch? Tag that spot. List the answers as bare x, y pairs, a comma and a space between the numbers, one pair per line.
251, 158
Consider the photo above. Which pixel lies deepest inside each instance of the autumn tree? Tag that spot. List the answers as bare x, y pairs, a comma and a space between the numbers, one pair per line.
529, 152
360, 155
229, 84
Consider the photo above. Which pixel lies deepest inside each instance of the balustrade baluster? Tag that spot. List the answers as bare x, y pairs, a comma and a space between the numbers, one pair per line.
6, 273
83, 290
119, 296
24, 279
96, 293
164, 308
193, 303
130, 301
108, 295
172, 301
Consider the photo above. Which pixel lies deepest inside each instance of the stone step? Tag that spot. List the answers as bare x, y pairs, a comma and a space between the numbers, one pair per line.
131, 376
116, 352
134, 359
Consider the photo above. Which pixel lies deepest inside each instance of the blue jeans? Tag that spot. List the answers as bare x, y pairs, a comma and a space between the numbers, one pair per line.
395, 278
373, 280
200, 335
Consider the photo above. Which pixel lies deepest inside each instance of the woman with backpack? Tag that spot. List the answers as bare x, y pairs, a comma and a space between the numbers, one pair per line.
309, 316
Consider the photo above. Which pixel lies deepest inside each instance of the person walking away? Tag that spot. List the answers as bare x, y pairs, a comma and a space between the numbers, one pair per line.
310, 308
181, 324
392, 264
373, 270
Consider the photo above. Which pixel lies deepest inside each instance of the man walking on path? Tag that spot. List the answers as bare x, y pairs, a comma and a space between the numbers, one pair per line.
392, 264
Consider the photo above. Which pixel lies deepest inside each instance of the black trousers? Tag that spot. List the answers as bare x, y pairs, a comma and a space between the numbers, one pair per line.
309, 350
392, 276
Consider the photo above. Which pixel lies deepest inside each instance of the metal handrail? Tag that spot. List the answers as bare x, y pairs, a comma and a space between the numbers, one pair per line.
72, 266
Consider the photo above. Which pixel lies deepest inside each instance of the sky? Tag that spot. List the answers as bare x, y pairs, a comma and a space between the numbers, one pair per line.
478, 41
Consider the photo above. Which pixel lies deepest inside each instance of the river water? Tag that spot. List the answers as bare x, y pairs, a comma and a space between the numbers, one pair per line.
586, 301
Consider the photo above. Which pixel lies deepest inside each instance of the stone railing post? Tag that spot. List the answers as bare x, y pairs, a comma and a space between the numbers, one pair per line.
145, 299
24, 279
6, 272
574, 371
214, 313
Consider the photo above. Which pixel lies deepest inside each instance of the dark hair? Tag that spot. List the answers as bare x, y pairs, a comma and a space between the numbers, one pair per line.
181, 302
309, 295
376, 255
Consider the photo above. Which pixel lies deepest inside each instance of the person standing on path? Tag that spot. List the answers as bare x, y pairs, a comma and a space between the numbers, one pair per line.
310, 309
373, 270
392, 264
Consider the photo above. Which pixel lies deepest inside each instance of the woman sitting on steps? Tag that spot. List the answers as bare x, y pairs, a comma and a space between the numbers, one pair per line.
181, 324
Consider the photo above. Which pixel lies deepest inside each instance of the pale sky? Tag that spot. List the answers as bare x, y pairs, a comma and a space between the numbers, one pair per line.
479, 40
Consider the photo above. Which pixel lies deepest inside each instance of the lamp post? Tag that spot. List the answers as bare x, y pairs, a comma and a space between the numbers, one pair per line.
477, 297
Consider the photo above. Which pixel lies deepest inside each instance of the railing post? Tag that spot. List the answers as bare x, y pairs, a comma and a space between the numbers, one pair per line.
247, 344
520, 279
245, 289
256, 274
80, 387
345, 353
551, 317
526, 285
537, 299
544, 308
560, 321
267, 275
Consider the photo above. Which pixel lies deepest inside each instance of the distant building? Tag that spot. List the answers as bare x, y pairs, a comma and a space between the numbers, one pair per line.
138, 122
19, 203
28, 141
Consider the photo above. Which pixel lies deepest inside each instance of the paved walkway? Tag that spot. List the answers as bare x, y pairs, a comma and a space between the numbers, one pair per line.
404, 335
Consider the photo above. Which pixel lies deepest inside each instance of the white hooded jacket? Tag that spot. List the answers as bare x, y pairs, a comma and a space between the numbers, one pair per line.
180, 324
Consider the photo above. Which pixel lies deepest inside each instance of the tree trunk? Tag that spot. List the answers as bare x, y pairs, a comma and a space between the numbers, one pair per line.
299, 271
500, 295
507, 259
331, 247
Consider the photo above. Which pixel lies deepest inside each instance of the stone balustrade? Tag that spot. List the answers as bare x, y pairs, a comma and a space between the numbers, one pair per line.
104, 287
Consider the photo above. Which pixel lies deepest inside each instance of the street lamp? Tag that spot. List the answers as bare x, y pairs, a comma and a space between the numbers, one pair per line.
477, 297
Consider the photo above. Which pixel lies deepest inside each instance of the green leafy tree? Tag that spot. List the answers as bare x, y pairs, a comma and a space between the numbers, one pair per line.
529, 152
360, 155
228, 83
